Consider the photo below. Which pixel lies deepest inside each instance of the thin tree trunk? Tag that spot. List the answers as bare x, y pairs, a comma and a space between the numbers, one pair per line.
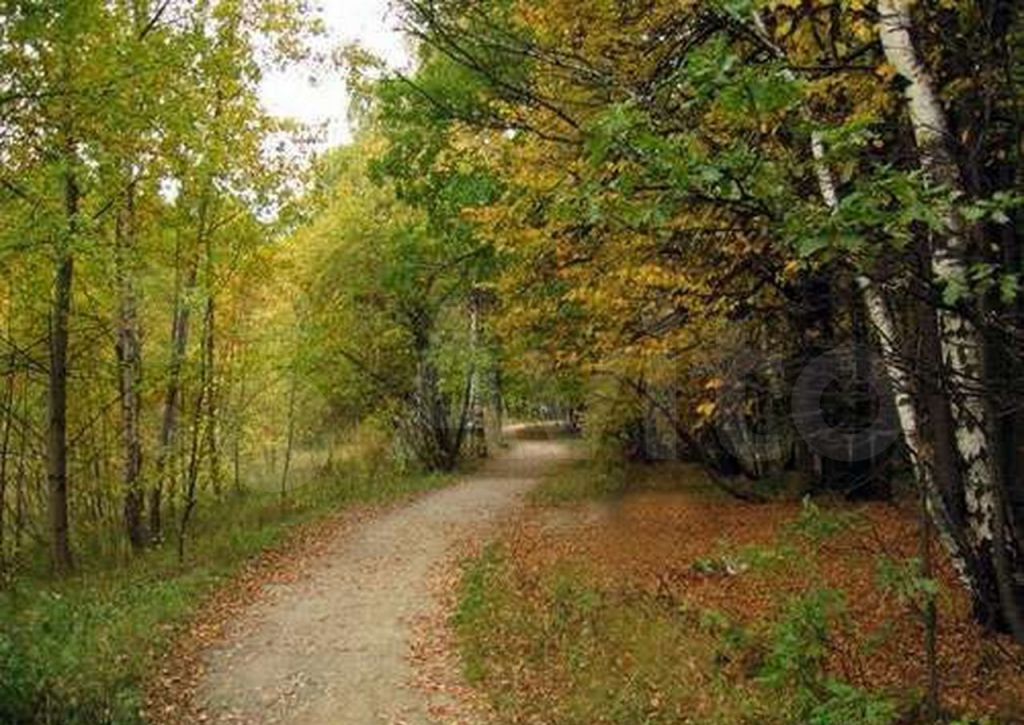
291, 438
20, 503
57, 440
130, 368
961, 342
212, 448
5, 451
211, 371
499, 407
172, 395
474, 401
192, 472
237, 435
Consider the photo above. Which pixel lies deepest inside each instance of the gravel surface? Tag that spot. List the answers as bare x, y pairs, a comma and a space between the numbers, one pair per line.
334, 646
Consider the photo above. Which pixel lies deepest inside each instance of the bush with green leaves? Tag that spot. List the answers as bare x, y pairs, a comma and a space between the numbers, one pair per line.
796, 664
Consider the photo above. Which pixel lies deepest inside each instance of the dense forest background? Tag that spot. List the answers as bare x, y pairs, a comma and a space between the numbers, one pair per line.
778, 238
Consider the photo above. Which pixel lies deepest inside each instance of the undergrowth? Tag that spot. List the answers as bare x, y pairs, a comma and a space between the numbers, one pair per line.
557, 647
560, 644
77, 651
580, 481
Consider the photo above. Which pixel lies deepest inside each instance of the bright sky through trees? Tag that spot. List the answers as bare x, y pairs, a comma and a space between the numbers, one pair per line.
318, 95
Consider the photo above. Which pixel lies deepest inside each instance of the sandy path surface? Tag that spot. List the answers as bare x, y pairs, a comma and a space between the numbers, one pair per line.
333, 647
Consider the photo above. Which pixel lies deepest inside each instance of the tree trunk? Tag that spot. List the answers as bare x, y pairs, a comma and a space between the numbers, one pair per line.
130, 371
903, 392
212, 449
474, 402
291, 438
172, 394
961, 342
192, 472
57, 439
5, 451
236, 442
499, 407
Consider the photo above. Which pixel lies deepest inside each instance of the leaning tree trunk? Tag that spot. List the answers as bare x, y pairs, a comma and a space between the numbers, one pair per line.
961, 342
195, 450
212, 445
290, 441
129, 358
903, 391
5, 451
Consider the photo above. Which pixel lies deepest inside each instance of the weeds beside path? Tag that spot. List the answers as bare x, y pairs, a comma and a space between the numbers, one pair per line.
79, 650
641, 594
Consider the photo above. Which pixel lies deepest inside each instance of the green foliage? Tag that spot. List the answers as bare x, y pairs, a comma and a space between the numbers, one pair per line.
795, 663
556, 646
608, 661
800, 641
755, 559
816, 524
903, 578
79, 651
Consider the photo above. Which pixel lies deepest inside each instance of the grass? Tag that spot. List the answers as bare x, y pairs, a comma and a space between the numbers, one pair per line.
578, 481
555, 637
595, 479
558, 647
78, 650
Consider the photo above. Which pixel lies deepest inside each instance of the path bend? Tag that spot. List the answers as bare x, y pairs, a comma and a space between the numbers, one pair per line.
332, 648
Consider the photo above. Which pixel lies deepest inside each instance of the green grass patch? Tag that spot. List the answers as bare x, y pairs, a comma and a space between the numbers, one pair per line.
77, 651
584, 480
594, 479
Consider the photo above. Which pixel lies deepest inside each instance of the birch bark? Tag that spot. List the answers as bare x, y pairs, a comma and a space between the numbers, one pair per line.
961, 341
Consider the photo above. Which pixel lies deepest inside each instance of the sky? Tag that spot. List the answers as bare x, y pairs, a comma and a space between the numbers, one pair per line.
314, 96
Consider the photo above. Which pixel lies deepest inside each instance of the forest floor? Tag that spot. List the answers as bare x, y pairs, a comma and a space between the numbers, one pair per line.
643, 594
336, 639
547, 587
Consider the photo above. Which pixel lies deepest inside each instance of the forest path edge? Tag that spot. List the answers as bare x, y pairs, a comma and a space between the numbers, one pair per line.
333, 644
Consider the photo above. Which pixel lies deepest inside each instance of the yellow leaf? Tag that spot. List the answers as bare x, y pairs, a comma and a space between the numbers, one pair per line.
706, 409
885, 71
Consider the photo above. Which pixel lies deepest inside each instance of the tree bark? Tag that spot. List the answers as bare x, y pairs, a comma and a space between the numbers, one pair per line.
903, 392
5, 451
291, 438
172, 394
961, 341
129, 357
57, 439
192, 472
212, 449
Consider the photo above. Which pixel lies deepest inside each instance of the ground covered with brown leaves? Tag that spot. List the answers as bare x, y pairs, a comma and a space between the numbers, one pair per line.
670, 602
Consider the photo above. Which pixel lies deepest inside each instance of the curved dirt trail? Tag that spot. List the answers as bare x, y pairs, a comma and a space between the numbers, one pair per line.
332, 647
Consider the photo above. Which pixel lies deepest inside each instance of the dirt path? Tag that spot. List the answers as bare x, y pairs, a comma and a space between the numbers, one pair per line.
333, 647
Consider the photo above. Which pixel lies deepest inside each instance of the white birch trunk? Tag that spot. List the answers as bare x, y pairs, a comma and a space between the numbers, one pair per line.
961, 342
901, 383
